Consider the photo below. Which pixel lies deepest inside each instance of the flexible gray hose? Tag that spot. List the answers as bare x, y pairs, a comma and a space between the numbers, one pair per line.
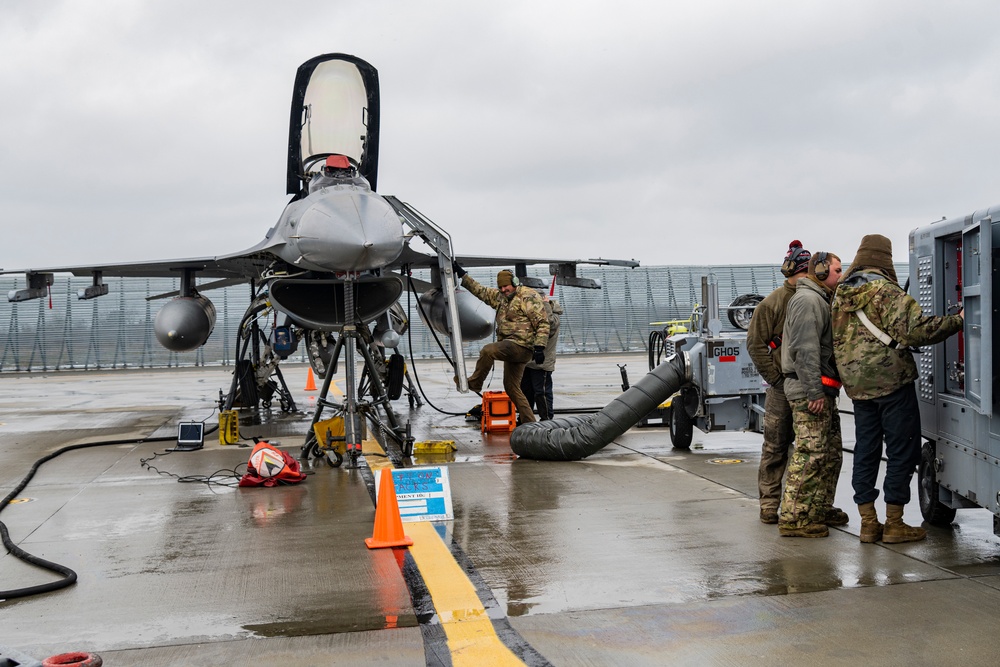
574, 438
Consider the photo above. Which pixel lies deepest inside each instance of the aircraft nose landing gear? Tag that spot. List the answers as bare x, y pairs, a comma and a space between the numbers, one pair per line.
352, 412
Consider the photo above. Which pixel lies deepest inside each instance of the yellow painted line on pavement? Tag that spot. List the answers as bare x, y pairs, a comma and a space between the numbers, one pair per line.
472, 639
379, 461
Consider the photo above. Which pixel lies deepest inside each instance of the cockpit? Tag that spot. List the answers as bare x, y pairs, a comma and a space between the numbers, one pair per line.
337, 170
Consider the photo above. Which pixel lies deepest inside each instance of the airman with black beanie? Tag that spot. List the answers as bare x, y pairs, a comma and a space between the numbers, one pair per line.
764, 345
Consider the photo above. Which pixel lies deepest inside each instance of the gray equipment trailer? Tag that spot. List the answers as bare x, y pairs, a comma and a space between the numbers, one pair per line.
708, 376
953, 264
725, 392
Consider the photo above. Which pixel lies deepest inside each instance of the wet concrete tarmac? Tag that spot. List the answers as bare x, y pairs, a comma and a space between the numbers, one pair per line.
638, 555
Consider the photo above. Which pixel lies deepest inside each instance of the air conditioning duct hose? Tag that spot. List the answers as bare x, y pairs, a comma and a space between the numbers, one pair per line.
575, 438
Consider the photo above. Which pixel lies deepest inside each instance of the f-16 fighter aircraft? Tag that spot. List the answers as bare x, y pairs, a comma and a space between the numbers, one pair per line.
332, 268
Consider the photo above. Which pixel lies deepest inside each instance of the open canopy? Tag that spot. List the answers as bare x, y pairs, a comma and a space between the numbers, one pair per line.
335, 110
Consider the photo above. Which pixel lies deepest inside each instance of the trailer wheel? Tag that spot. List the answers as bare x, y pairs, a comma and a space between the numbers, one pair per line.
934, 511
741, 310
680, 427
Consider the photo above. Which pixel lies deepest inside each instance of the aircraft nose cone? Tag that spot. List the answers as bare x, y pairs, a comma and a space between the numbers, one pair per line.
347, 231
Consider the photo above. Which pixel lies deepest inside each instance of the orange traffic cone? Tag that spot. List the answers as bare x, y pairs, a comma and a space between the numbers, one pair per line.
388, 524
310, 381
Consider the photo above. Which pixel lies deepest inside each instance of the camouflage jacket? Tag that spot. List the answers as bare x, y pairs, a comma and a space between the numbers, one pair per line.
807, 348
521, 318
555, 312
869, 368
767, 322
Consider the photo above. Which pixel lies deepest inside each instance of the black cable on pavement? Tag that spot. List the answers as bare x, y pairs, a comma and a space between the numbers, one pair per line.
69, 576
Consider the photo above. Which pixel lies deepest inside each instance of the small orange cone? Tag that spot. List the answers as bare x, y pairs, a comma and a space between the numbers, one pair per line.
310, 381
388, 524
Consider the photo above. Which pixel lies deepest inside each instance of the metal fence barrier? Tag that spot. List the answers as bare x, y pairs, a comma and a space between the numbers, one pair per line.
116, 331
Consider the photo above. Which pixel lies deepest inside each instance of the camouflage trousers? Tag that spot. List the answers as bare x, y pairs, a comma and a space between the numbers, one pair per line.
814, 466
778, 439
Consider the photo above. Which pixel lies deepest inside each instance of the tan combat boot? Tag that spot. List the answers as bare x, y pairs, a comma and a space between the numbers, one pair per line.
769, 515
808, 530
896, 531
871, 529
836, 517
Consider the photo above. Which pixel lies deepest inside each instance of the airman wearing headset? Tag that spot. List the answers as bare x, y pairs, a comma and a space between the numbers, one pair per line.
812, 386
522, 330
764, 337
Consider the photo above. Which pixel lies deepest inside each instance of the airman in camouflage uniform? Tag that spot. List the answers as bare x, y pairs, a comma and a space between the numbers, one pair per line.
764, 345
522, 328
537, 381
812, 386
878, 372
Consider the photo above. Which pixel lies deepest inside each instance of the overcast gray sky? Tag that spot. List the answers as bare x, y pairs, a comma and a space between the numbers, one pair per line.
679, 132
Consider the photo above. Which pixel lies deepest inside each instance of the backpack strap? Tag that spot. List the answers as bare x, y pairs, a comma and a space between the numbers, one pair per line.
883, 337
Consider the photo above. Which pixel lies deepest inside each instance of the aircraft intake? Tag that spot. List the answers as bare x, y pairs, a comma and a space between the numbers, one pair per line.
574, 438
185, 323
475, 318
319, 303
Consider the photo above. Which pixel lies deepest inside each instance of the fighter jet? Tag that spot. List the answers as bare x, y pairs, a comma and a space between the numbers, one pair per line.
332, 269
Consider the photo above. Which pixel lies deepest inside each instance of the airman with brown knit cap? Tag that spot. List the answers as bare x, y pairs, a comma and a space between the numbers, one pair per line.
522, 329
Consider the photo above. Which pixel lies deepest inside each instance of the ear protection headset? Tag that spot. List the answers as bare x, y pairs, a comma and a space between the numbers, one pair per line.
822, 266
795, 256
513, 279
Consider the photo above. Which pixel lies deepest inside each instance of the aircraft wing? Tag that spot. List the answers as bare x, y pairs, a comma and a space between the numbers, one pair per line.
210, 267
243, 265
481, 260
231, 269
563, 269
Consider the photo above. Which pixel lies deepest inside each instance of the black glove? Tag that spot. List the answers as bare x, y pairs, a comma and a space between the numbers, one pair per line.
459, 271
538, 356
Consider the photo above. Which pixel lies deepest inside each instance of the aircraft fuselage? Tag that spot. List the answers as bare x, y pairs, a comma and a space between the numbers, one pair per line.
342, 227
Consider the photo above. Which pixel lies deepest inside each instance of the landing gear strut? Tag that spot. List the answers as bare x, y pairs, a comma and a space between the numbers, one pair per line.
257, 380
353, 410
